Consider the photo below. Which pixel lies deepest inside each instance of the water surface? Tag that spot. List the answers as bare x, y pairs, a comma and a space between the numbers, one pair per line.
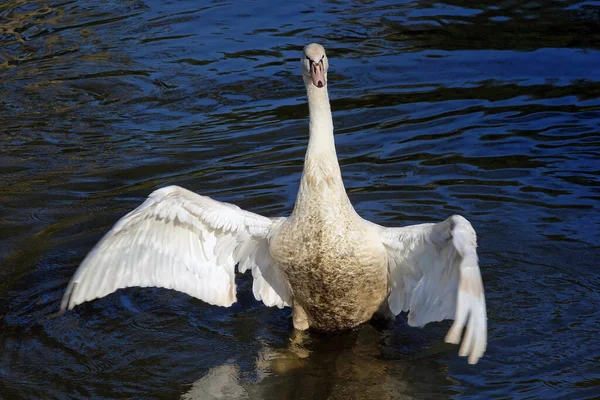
490, 110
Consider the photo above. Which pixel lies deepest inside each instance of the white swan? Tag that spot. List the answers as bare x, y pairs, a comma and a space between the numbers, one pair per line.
332, 267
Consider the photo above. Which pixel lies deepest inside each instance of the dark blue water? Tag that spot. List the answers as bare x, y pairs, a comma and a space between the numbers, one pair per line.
488, 109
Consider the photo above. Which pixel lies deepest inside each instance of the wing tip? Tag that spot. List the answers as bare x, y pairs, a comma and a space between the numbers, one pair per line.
473, 349
67, 302
453, 335
473, 343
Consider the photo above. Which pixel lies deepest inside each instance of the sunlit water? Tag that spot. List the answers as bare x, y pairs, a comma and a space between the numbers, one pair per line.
490, 111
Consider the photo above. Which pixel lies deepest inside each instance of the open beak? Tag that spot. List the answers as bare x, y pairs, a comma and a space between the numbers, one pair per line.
317, 75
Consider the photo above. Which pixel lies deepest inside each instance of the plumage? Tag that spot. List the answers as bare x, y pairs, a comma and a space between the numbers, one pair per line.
335, 269
177, 240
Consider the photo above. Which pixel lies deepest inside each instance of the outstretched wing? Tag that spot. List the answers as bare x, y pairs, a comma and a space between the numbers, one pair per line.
180, 240
434, 273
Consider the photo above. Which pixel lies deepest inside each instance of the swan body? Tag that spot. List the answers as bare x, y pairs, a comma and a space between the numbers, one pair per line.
335, 269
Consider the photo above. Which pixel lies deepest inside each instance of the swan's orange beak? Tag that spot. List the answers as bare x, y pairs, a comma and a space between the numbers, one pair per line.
317, 75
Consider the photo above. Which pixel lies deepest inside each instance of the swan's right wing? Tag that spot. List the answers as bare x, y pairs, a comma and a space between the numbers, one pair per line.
180, 240
434, 273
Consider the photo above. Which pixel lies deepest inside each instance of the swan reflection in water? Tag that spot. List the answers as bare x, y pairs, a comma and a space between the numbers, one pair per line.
352, 365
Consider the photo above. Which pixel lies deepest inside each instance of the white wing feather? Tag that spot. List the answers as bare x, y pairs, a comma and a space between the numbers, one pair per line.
180, 240
434, 273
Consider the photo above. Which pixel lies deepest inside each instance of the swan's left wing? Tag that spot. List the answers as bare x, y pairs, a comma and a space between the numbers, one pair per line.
434, 273
180, 240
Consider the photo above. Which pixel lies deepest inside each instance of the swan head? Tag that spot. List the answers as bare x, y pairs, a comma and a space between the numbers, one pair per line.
314, 65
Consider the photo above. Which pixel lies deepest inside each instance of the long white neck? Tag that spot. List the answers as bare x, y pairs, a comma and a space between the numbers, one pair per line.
320, 143
321, 184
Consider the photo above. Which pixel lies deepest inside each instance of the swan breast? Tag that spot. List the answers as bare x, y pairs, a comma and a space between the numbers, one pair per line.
335, 266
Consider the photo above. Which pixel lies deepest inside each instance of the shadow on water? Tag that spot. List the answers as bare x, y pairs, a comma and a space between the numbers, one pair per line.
490, 111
